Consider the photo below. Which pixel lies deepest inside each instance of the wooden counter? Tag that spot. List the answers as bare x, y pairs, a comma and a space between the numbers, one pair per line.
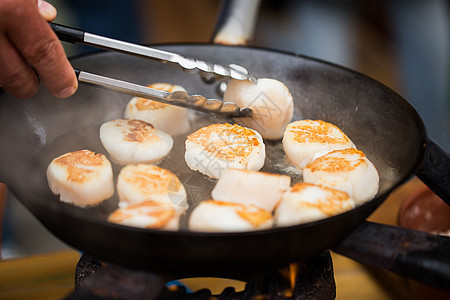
51, 275
46, 276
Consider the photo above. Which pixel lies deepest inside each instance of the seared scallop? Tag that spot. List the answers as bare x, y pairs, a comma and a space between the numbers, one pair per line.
348, 170
219, 216
270, 101
173, 120
306, 202
134, 141
251, 187
147, 214
143, 182
82, 178
305, 140
214, 148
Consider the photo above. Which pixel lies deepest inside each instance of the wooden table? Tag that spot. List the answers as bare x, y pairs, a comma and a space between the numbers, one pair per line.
51, 275
46, 276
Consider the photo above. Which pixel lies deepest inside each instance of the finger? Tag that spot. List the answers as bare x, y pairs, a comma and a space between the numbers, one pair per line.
40, 48
47, 11
16, 76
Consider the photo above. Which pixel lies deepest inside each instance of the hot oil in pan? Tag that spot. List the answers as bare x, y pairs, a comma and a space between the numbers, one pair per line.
198, 186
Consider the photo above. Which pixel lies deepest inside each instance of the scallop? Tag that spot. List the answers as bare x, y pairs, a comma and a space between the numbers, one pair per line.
147, 214
348, 170
270, 100
214, 148
305, 140
82, 178
134, 141
220, 216
251, 188
143, 182
307, 202
173, 120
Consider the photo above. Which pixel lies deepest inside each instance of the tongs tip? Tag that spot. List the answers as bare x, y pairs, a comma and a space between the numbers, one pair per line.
211, 72
240, 73
245, 112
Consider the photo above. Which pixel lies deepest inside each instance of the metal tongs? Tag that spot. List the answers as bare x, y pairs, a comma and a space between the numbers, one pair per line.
178, 98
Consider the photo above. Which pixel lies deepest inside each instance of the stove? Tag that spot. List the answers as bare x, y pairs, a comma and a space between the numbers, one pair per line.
309, 279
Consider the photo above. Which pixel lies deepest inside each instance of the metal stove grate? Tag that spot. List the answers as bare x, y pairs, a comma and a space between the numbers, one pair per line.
309, 279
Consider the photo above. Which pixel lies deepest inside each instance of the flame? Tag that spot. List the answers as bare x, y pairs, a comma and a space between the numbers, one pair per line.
290, 274
293, 270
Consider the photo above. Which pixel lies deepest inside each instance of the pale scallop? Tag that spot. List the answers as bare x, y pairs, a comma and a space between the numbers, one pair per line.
143, 182
251, 187
214, 148
82, 178
305, 140
348, 170
307, 202
147, 214
270, 100
219, 216
173, 120
134, 141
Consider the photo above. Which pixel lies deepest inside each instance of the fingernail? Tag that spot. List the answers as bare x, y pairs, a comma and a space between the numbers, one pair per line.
67, 92
47, 10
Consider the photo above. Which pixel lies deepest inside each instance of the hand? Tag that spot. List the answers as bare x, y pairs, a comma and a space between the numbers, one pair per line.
29, 46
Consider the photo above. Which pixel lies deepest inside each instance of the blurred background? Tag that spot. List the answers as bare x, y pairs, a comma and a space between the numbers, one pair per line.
403, 44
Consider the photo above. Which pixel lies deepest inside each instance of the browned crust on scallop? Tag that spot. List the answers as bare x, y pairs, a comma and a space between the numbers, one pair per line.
233, 140
254, 215
73, 160
332, 164
146, 104
335, 201
151, 179
138, 131
316, 131
162, 213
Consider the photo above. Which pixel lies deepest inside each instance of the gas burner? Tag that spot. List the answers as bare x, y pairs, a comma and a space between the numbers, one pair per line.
308, 279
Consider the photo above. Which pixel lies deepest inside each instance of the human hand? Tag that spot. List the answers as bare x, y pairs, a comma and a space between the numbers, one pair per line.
28, 47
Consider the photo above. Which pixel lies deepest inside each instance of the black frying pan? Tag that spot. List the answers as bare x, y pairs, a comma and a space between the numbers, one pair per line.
379, 122
34, 131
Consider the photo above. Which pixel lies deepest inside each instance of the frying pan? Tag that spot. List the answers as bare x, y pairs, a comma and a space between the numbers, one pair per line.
379, 122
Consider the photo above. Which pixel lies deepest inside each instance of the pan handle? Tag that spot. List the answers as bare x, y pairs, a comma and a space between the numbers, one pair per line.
415, 254
236, 22
435, 170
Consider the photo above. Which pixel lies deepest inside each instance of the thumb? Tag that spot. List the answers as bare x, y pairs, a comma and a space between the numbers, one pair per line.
47, 11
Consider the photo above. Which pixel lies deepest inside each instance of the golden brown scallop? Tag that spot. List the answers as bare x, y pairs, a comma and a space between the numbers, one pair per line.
147, 214
142, 182
134, 141
307, 202
173, 120
348, 170
305, 140
220, 216
214, 148
82, 178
